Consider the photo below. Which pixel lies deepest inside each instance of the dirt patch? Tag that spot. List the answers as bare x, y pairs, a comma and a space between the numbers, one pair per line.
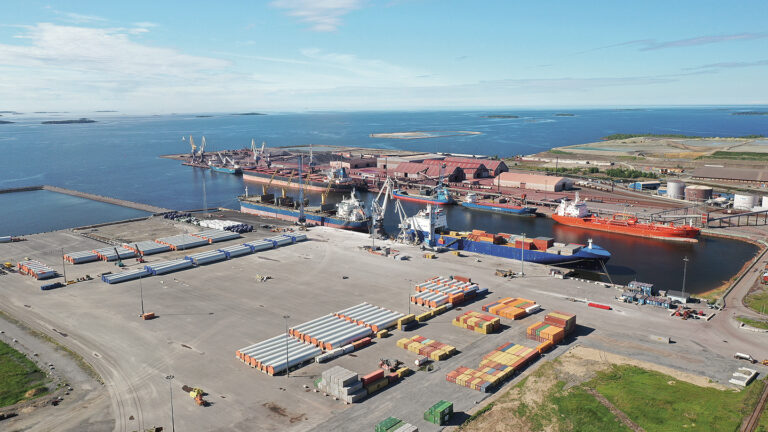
282, 412
35, 392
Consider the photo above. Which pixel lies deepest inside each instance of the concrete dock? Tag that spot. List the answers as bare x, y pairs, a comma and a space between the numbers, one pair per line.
206, 313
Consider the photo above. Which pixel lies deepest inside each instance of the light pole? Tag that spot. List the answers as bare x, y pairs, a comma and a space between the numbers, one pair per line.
170, 387
522, 257
685, 270
141, 294
287, 372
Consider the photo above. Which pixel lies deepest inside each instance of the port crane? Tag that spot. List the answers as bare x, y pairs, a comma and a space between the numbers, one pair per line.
288, 184
265, 188
379, 207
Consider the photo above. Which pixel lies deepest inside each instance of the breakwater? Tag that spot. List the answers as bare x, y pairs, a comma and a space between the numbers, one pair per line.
93, 197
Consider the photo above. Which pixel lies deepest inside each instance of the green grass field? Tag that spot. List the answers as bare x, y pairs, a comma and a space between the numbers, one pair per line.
20, 378
737, 156
754, 323
758, 301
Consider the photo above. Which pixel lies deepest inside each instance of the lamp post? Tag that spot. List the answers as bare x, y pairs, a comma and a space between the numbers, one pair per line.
141, 295
522, 257
287, 372
685, 270
170, 387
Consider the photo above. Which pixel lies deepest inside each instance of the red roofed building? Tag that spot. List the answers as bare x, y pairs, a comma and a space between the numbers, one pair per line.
472, 170
418, 171
495, 167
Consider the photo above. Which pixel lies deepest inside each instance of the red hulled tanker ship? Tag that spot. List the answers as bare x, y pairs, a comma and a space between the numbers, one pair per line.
575, 213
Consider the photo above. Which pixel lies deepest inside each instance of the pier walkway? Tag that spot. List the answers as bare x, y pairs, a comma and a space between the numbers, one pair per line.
93, 197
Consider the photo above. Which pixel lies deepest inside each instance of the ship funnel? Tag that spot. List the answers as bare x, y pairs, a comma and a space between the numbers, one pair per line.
590, 243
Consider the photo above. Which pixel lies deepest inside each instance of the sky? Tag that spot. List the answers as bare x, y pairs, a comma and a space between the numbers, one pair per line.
296, 55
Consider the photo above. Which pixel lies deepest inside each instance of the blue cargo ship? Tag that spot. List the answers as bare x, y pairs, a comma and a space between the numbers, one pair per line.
542, 250
497, 207
349, 214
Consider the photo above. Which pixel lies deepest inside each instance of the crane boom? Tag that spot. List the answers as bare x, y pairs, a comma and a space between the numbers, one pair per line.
264, 188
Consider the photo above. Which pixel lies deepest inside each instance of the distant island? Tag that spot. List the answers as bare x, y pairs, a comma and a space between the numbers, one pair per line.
501, 116
422, 134
564, 115
10, 112
80, 120
49, 112
750, 113
249, 113
615, 137
5, 122
102, 111
205, 116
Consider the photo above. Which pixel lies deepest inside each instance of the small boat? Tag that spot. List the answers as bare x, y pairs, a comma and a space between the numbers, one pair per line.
225, 169
473, 202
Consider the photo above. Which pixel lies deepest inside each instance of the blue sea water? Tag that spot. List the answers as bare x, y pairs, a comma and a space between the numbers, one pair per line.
119, 156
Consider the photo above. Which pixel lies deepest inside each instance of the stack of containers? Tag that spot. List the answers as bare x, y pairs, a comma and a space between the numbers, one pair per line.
439, 413
146, 247
206, 257
108, 253
260, 245
342, 383
427, 347
270, 355
81, 257
511, 308
543, 332
477, 322
407, 322
393, 424
36, 269
484, 379
114, 278
329, 332
168, 266
561, 319
376, 381
182, 241
236, 250
216, 235
509, 354
377, 318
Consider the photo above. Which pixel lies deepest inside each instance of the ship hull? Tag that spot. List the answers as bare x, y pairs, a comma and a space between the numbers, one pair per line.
312, 185
680, 234
502, 208
422, 199
590, 254
291, 215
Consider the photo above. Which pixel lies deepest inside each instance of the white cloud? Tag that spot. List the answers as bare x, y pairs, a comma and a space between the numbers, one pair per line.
322, 15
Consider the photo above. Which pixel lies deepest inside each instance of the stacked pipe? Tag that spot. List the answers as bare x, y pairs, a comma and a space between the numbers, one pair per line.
277, 354
329, 332
182, 241
114, 278
427, 347
147, 247
456, 289
260, 245
206, 257
429, 298
511, 308
36, 269
216, 235
108, 253
81, 257
164, 267
377, 318
280, 240
235, 250
295, 238
477, 322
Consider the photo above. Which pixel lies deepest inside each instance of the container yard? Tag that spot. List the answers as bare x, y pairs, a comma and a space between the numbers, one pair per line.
274, 291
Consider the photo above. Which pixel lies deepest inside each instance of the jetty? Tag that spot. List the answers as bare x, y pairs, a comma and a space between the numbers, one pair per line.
93, 197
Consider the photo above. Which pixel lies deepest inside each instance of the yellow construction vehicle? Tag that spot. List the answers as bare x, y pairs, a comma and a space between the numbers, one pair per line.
265, 188
289, 183
7, 265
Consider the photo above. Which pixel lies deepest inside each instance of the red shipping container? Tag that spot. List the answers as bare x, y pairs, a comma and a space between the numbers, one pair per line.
462, 279
373, 377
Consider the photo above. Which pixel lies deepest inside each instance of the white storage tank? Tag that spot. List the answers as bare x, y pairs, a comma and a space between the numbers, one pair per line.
743, 201
675, 189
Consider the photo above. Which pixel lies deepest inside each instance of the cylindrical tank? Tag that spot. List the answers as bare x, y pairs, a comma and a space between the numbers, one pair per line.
743, 201
765, 202
698, 193
675, 189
